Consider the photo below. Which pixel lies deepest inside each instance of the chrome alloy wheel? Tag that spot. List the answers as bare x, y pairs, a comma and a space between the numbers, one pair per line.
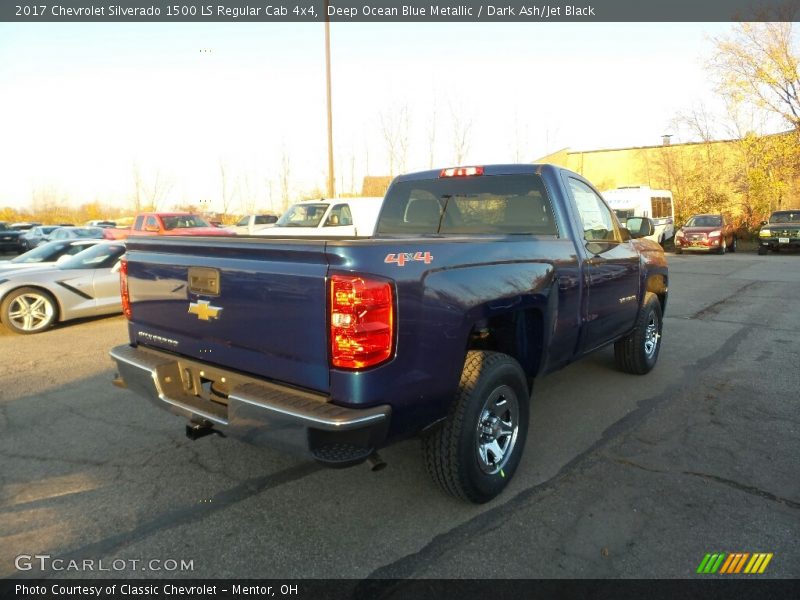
497, 429
30, 311
651, 335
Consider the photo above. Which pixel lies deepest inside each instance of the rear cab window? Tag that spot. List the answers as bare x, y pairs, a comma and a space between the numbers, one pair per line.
501, 204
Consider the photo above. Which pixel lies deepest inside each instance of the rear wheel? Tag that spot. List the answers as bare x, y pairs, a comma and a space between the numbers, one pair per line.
476, 452
28, 310
637, 353
733, 245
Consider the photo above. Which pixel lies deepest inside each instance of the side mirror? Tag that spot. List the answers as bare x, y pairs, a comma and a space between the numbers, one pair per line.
763, 223
640, 227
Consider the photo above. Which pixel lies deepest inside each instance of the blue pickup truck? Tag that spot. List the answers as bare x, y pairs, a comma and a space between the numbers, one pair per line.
477, 280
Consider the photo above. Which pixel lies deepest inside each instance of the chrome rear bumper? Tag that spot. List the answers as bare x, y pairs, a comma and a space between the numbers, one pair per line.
257, 411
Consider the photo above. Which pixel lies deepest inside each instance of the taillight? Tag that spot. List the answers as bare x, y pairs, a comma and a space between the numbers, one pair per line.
461, 172
361, 321
123, 288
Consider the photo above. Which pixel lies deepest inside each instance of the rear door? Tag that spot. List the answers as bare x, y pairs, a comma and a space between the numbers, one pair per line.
612, 268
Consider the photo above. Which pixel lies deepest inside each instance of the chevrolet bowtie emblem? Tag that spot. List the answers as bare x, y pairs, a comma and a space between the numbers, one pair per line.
204, 310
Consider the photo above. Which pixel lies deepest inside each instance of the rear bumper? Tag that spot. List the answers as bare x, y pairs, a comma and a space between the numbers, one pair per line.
257, 411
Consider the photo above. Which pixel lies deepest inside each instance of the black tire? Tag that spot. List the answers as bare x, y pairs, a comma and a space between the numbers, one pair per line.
678, 251
637, 353
762, 250
461, 456
28, 310
722, 247
734, 244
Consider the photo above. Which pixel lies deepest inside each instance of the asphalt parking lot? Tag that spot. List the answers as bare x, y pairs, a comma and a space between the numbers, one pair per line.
623, 476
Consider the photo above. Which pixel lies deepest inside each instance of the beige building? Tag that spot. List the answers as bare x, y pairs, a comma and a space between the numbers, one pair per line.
656, 166
745, 178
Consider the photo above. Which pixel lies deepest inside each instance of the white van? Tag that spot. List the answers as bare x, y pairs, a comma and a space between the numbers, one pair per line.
641, 201
342, 217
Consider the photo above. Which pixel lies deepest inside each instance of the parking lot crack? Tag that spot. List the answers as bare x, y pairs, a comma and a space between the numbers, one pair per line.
713, 309
745, 488
630, 463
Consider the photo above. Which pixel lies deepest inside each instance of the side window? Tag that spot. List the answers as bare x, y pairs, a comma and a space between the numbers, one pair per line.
151, 222
598, 224
346, 218
339, 216
138, 224
75, 248
259, 220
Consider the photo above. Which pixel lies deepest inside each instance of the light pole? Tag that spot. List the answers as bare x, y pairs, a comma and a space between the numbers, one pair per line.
330, 112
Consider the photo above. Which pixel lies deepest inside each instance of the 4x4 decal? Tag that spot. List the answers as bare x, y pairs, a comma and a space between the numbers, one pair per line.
401, 258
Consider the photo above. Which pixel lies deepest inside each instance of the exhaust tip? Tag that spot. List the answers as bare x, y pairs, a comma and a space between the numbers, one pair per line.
375, 462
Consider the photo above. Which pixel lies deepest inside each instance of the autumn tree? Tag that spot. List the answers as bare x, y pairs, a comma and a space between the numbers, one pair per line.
759, 65
757, 73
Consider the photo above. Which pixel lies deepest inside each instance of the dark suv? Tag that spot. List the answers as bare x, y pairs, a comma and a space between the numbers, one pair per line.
780, 232
9, 238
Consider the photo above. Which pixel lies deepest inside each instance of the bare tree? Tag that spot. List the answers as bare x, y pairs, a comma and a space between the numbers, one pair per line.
461, 134
137, 185
227, 194
160, 188
432, 135
394, 127
284, 180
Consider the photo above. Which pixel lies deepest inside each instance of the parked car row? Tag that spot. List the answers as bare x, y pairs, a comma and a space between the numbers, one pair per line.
715, 233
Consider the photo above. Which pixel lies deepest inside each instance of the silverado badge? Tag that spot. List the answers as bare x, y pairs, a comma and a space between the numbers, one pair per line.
204, 310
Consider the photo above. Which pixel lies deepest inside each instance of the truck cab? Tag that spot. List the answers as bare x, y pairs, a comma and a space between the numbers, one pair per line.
342, 217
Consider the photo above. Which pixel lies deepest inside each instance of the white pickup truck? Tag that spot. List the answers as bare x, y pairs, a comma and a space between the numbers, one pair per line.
248, 224
341, 217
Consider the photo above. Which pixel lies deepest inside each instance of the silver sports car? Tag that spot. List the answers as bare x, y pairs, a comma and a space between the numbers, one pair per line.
87, 284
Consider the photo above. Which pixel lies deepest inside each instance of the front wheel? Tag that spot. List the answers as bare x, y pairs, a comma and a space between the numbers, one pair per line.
733, 245
475, 453
28, 310
637, 352
762, 250
722, 247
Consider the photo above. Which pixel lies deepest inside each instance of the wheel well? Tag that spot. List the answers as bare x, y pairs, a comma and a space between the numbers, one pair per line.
38, 289
657, 284
519, 334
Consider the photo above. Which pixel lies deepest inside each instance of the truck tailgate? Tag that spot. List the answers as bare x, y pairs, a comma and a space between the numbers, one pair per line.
265, 315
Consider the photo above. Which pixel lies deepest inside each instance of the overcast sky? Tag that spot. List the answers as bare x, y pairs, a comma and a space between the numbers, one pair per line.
80, 104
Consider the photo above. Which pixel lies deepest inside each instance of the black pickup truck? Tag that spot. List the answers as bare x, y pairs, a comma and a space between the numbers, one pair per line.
477, 280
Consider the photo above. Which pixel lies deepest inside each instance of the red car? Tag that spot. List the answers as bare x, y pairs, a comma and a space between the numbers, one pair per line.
166, 223
706, 233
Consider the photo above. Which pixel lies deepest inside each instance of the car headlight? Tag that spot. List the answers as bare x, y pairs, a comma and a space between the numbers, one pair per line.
680, 233
764, 233
716, 233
